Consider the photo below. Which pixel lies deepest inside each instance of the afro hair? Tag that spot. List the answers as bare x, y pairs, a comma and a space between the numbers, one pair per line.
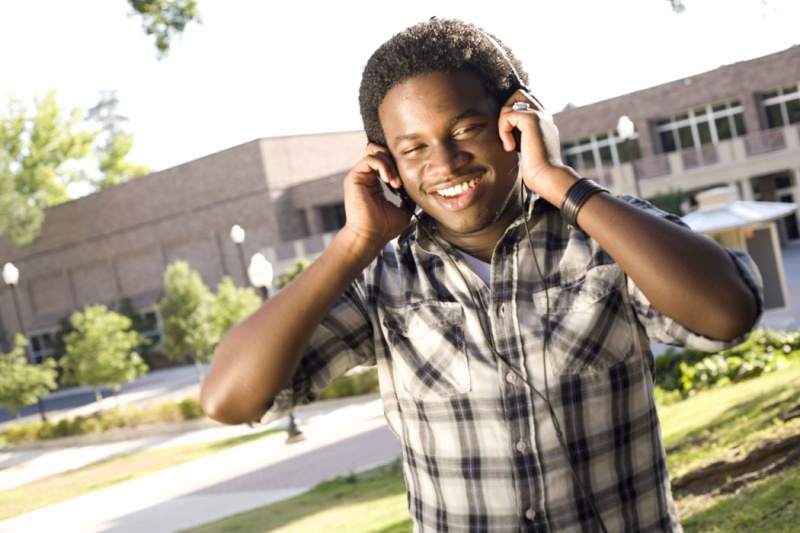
439, 45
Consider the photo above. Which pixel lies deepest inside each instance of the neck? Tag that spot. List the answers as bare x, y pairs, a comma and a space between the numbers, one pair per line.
481, 243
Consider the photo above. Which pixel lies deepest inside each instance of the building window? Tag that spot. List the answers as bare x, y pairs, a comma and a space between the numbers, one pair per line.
703, 125
332, 217
782, 106
590, 155
41, 346
151, 327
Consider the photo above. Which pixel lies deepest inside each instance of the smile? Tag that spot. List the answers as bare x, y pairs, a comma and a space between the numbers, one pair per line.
458, 189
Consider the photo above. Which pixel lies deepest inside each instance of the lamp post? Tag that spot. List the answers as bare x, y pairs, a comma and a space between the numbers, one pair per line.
237, 236
626, 129
260, 272
11, 278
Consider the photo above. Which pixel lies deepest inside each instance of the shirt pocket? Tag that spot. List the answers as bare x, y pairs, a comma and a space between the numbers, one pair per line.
428, 349
589, 322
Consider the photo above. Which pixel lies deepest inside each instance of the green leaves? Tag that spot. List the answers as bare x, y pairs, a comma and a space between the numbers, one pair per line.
186, 314
193, 319
164, 19
232, 305
44, 153
766, 350
21, 383
101, 349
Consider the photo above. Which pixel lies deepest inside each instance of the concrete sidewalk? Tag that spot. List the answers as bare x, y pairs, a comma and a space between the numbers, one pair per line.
341, 438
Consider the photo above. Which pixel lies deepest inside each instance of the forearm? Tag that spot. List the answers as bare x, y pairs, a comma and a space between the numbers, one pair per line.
686, 276
257, 358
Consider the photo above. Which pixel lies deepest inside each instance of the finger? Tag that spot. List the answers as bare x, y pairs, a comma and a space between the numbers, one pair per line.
510, 127
388, 173
379, 166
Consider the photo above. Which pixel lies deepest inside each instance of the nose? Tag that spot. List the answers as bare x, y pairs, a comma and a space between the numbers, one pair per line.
444, 159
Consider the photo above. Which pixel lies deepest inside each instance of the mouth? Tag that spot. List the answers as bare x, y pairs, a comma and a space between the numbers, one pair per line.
455, 196
458, 189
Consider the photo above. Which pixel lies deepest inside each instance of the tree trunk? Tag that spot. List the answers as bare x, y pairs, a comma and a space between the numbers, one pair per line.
198, 365
98, 396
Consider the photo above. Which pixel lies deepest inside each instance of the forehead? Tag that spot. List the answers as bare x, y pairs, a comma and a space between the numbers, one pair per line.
433, 97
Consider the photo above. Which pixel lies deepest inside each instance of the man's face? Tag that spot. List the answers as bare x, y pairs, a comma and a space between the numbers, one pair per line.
441, 129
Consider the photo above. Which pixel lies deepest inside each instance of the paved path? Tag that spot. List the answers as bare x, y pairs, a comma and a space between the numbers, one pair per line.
342, 439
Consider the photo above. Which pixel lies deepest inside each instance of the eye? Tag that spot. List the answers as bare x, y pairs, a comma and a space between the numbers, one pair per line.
467, 132
412, 150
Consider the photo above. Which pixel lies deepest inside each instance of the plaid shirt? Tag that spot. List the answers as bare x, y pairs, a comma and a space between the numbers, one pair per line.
462, 374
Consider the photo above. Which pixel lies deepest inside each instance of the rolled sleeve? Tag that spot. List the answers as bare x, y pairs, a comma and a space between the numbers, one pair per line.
664, 330
342, 341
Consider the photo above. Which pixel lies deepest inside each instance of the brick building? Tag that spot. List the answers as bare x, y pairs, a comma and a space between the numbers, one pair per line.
736, 125
285, 193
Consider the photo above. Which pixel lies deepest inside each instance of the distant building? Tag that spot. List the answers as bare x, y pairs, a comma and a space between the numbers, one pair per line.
737, 125
285, 192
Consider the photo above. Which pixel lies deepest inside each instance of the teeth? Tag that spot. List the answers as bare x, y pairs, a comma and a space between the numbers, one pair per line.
458, 189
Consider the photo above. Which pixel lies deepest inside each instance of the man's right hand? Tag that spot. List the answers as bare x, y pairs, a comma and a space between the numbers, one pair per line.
372, 219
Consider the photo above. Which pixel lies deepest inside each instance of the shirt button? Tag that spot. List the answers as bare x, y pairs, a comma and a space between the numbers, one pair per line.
511, 377
530, 514
503, 310
521, 446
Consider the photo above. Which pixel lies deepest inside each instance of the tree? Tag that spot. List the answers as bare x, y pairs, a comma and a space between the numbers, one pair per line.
232, 305
22, 383
677, 6
165, 18
188, 324
101, 350
300, 265
34, 169
113, 144
65, 327
671, 201
45, 153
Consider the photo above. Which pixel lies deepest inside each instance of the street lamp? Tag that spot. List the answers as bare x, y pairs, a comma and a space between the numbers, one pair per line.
260, 272
237, 236
626, 129
11, 278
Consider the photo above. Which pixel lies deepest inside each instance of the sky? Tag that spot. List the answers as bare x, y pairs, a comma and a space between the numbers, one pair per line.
269, 68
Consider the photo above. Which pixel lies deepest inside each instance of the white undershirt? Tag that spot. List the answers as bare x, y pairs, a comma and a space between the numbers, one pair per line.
481, 268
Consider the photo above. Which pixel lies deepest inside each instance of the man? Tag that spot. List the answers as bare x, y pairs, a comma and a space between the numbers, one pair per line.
511, 328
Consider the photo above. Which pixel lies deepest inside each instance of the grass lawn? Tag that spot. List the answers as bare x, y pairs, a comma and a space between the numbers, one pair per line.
771, 506
370, 502
100, 475
725, 423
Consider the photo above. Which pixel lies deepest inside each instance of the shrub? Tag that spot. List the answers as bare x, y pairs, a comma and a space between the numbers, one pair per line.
129, 416
766, 350
169, 412
190, 408
353, 383
19, 433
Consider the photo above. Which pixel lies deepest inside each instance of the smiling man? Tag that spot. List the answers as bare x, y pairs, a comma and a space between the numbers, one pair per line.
510, 319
